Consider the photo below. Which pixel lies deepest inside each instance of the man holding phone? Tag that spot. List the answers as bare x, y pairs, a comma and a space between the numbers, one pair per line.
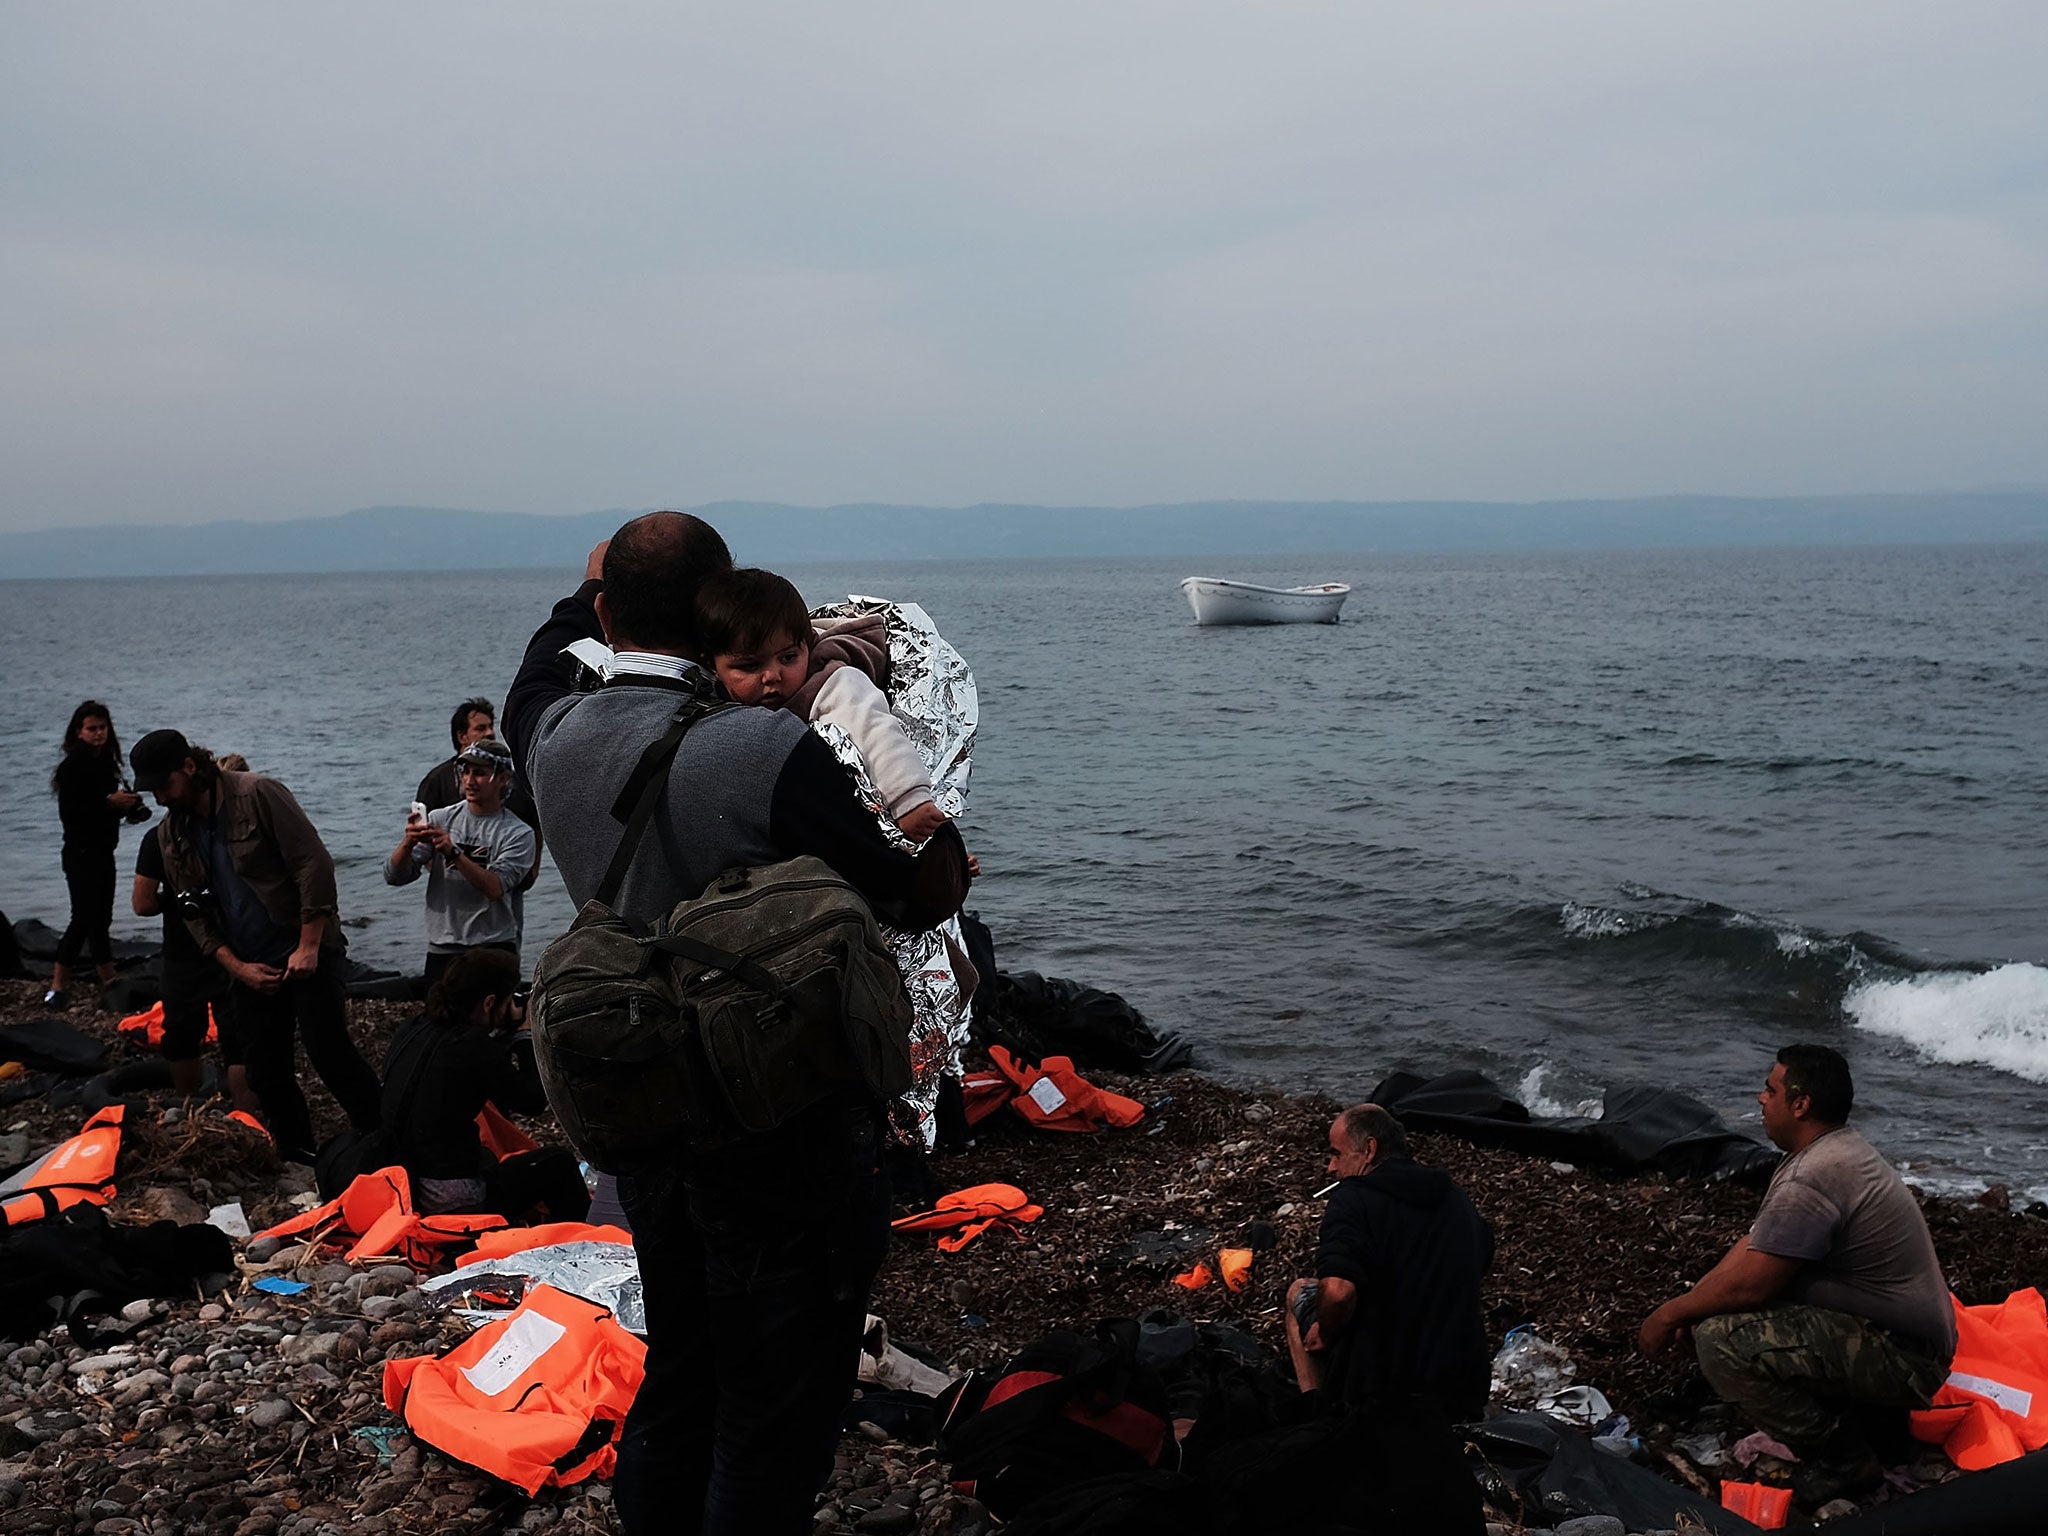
476, 856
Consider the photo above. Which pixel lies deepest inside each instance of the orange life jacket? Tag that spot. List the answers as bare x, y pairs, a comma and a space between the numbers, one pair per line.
501, 1138
1994, 1405
510, 1240
1758, 1503
983, 1093
968, 1213
376, 1210
147, 1027
1054, 1097
538, 1398
79, 1171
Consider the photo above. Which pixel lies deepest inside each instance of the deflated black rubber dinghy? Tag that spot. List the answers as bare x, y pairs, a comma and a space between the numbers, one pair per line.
1636, 1128
2008, 1500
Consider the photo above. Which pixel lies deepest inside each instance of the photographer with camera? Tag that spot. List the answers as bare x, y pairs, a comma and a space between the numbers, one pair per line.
92, 802
471, 1047
255, 885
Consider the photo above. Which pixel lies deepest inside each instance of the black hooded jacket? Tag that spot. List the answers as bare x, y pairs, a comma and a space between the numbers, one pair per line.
1411, 1242
436, 1078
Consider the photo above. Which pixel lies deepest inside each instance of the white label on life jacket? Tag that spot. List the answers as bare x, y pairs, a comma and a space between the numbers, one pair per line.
525, 1339
2014, 1400
1045, 1093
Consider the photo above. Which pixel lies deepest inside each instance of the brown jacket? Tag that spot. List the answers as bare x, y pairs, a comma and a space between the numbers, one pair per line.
274, 847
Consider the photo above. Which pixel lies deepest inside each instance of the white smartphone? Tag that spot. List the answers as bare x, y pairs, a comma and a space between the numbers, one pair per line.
417, 811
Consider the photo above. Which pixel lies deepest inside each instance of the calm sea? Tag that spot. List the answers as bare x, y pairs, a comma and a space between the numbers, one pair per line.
1575, 819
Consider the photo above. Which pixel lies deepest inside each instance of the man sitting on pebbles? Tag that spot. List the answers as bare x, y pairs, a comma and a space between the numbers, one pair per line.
1834, 1299
1393, 1316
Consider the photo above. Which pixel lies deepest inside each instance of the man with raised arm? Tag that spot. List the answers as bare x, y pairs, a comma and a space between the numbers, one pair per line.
756, 1258
1834, 1298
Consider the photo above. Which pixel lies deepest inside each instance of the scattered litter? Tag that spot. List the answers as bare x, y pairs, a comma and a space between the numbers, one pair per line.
277, 1286
1749, 1447
1576, 1405
1529, 1367
1564, 1168
1616, 1435
882, 1364
307, 1201
973, 1320
1193, 1279
382, 1437
229, 1218
1703, 1449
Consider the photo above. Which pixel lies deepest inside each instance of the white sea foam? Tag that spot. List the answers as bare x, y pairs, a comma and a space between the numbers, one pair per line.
1996, 1019
1540, 1103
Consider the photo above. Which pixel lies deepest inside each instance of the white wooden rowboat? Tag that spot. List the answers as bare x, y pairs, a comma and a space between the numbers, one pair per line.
1217, 601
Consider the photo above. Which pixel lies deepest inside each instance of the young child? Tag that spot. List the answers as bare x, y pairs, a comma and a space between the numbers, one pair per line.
755, 630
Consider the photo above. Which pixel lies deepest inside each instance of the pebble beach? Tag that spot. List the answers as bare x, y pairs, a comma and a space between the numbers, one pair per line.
251, 1414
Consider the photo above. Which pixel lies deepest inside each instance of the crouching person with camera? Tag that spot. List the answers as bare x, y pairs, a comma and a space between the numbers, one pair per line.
754, 1186
472, 1047
255, 885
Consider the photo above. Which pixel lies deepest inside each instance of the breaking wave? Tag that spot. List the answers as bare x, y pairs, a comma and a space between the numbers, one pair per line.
1533, 1092
1669, 929
1996, 1018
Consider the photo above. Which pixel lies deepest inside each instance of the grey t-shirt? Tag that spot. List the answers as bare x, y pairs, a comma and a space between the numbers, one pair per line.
458, 914
1841, 1207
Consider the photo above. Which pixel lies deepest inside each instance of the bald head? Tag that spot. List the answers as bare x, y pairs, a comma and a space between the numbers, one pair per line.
651, 574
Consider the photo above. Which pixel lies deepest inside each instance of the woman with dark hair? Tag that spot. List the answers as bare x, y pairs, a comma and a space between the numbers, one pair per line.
92, 800
471, 1047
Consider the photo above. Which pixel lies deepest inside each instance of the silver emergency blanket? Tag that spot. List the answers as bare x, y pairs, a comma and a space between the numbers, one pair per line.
604, 1274
932, 694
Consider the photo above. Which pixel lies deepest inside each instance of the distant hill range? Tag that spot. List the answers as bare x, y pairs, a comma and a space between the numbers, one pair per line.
433, 538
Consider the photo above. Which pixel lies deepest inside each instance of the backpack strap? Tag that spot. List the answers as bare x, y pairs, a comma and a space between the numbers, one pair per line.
754, 975
643, 790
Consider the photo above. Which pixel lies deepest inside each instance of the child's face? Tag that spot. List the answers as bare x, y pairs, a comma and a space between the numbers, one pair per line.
768, 676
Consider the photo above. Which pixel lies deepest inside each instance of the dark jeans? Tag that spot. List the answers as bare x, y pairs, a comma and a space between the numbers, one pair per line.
270, 1023
438, 963
187, 994
89, 876
755, 1260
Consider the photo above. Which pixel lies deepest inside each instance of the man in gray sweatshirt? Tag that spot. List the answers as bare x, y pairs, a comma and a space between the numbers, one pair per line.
756, 1258
476, 855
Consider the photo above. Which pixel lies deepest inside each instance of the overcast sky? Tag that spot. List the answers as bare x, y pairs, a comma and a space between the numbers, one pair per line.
281, 260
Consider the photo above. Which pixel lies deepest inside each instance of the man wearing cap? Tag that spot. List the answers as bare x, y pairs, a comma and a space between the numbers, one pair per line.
476, 855
255, 885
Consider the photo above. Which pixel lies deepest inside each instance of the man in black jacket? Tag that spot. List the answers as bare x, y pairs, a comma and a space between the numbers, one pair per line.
468, 1049
1393, 1317
755, 1258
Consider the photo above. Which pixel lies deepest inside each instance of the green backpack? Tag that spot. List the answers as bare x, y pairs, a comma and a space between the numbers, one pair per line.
757, 999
